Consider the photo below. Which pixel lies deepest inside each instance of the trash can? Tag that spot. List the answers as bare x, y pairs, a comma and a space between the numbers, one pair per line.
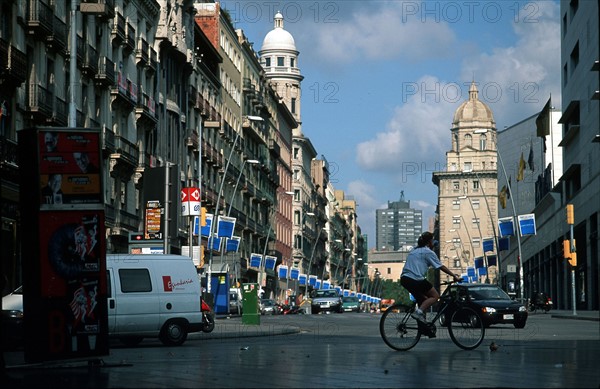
250, 305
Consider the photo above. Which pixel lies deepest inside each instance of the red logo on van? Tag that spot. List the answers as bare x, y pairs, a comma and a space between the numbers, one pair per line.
167, 285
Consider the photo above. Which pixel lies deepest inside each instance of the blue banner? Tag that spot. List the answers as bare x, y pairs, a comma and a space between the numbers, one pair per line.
471, 272
270, 262
326, 284
283, 271
482, 271
255, 260
478, 262
492, 260
302, 279
506, 225
527, 224
318, 284
294, 274
488, 245
233, 244
215, 242
205, 230
504, 244
225, 226
312, 280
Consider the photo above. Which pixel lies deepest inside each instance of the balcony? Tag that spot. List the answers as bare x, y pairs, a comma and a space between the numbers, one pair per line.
9, 167
104, 9
57, 39
152, 61
193, 95
106, 72
125, 157
89, 67
108, 141
145, 111
39, 102
142, 52
129, 42
118, 30
121, 93
13, 65
59, 115
39, 19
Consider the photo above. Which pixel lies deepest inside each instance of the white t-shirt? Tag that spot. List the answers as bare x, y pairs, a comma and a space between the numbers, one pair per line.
418, 262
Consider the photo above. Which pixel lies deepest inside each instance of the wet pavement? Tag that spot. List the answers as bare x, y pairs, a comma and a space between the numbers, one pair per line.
326, 351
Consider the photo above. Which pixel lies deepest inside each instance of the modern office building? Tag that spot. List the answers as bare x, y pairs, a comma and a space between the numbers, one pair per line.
398, 226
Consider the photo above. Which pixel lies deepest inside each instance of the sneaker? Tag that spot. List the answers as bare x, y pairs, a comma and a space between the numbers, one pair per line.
419, 316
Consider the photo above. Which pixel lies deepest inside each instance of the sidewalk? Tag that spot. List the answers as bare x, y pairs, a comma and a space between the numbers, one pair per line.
579, 315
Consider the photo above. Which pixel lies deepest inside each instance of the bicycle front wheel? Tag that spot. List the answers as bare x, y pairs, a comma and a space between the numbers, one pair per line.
466, 328
398, 329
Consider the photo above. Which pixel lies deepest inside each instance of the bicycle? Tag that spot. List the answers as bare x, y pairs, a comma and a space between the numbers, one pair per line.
401, 331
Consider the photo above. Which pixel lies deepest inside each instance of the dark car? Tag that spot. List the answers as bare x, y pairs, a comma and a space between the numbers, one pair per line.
493, 303
326, 300
350, 304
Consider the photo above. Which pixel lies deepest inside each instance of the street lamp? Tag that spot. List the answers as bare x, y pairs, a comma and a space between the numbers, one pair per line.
219, 193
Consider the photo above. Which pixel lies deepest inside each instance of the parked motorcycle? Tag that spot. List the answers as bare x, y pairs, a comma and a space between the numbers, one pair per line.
208, 318
540, 301
292, 309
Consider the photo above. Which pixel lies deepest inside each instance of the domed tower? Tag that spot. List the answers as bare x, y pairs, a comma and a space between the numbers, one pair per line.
279, 58
468, 191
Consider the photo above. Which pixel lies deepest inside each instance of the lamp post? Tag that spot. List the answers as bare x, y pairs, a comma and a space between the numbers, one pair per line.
212, 225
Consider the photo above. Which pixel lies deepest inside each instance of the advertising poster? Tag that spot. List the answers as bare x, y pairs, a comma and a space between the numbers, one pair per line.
69, 167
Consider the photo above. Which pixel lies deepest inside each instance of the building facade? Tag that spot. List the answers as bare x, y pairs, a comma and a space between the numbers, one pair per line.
398, 226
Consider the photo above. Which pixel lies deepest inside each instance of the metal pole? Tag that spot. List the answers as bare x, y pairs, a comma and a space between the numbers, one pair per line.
512, 201
73, 66
573, 298
166, 238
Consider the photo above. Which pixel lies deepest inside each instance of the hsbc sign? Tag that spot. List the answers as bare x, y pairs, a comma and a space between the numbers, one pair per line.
190, 202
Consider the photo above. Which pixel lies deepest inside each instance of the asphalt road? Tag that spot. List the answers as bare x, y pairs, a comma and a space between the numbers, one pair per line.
338, 350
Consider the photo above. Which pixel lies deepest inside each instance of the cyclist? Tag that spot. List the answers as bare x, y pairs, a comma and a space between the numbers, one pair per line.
413, 277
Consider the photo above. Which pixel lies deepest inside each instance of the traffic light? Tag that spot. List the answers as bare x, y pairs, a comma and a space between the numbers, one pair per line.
568, 254
570, 214
136, 237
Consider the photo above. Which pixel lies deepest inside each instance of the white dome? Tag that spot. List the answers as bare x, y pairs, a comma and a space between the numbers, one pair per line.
278, 38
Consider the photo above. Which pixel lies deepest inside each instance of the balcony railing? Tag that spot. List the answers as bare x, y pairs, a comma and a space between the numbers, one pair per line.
39, 100
90, 61
39, 18
118, 30
57, 40
142, 52
126, 150
108, 140
129, 43
152, 61
106, 72
100, 8
13, 64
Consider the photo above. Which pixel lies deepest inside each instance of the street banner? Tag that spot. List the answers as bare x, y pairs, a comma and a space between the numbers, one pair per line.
205, 230
282, 271
312, 280
302, 278
225, 226
503, 244
527, 224
270, 262
479, 262
233, 244
294, 274
255, 260
506, 226
488, 245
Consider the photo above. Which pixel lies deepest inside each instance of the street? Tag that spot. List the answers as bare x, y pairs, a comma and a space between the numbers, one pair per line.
340, 350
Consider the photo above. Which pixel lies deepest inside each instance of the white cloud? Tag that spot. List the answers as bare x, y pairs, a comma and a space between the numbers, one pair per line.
375, 35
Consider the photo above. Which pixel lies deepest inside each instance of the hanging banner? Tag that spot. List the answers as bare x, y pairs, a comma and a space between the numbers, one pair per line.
478, 262
255, 260
492, 260
270, 262
527, 224
233, 244
205, 230
282, 271
215, 243
471, 272
294, 274
506, 226
225, 226
318, 284
488, 245
326, 284
302, 279
482, 271
503, 244
312, 280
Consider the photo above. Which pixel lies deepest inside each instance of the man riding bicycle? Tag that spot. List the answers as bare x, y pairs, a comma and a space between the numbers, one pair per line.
413, 277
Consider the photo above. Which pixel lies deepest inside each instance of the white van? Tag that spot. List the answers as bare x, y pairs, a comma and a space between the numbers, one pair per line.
152, 295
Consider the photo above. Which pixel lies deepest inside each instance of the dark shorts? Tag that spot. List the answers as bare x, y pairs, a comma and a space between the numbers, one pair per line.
418, 289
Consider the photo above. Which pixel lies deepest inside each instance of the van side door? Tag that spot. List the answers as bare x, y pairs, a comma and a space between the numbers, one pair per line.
110, 296
136, 302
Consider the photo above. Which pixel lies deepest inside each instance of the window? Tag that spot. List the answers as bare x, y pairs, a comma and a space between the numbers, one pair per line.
455, 204
293, 62
296, 175
296, 194
475, 184
476, 242
280, 61
457, 263
574, 57
455, 185
135, 280
456, 221
293, 107
468, 140
482, 142
475, 203
296, 152
468, 167
267, 62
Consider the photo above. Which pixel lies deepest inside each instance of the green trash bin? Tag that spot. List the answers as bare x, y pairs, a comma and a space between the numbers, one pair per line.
250, 304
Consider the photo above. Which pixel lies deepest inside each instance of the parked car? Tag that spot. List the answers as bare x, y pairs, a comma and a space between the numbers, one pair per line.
350, 304
326, 300
12, 318
493, 303
235, 301
267, 307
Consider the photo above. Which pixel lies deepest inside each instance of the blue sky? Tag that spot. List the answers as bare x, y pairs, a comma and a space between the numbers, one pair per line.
382, 80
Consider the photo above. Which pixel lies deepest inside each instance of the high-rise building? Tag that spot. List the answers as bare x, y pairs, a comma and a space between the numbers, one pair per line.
398, 226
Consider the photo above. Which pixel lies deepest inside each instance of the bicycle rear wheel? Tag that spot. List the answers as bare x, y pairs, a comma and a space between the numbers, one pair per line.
466, 328
398, 329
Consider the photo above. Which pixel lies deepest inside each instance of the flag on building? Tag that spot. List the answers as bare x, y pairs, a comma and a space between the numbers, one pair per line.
521, 172
502, 197
508, 189
542, 123
530, 158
